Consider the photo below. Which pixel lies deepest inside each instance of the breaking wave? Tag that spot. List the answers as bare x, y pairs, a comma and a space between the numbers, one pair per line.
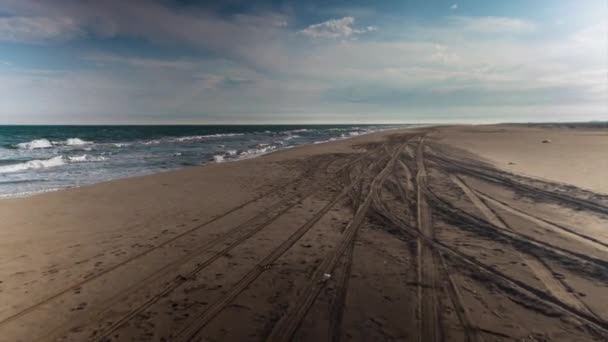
77, 142
48, 163
33, 164
34, 144
201, 137
46, 143
85, 158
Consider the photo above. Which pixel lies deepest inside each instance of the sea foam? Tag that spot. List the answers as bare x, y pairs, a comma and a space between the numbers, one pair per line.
77, 142
85, 158
34, 144
46, 143
207, 136
33, 164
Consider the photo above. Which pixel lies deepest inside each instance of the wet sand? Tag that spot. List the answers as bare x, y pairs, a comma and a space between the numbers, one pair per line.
462, 233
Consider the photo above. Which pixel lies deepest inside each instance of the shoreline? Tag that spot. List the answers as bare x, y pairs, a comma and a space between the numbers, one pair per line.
209, 162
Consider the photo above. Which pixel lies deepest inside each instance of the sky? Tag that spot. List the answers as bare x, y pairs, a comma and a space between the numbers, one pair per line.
273, 61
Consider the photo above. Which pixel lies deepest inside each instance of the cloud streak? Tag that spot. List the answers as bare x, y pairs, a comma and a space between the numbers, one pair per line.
493, 25
336, 29
38, 29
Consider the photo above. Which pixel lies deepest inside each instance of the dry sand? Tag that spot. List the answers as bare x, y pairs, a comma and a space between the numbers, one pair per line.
573, 156
464, 233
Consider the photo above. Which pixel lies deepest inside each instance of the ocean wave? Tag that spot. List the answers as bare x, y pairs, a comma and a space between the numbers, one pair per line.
85, 158
218, 158
207, 136
76, 142
48, 163
256, 151
35, 144
298, 130
33, 164
119, 145
291, 137
46, 143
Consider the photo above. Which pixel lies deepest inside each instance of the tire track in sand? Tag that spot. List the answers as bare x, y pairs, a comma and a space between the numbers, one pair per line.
516, 285
428, 273
198, 322
202, 265
566, 232
555, 286
89, 317
463, 315
78, 284
287, 326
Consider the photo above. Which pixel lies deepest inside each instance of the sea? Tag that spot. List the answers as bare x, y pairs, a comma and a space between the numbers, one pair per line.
36, 159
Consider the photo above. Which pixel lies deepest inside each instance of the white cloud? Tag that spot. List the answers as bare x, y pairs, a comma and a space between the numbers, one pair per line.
138, 62
454, 7
493, 25
38, 29
336, 28
596, 35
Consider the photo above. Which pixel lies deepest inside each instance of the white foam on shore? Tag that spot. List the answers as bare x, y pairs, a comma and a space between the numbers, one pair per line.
85, 158
255, 152
218, 158
29, 193
33, 164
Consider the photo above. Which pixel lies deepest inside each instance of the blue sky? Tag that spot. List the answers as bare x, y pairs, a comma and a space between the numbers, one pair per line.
236, 61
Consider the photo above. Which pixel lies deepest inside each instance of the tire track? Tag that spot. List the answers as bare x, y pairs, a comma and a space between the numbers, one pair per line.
287, 326
454, 167
567, 232
76, 285
430, 328
461, 311
339, 300
523, 288
198, 322
555, 286
517, 285
483, 227
87, 316
201, 266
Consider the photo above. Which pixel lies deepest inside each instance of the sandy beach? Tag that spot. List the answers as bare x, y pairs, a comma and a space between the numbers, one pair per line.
456, 233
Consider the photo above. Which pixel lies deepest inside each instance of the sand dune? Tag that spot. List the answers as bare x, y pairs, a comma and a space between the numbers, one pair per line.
463, 233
